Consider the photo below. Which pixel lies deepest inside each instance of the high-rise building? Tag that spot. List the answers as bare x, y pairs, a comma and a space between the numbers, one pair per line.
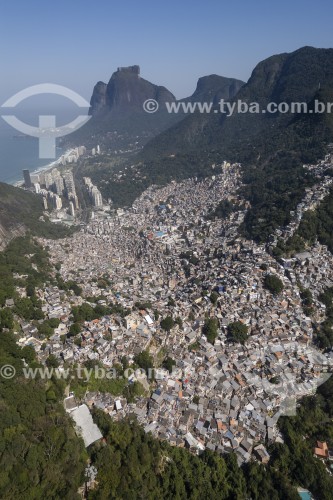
69, 182
71, 209
27, 179
57, 202
48, 180
55, 173
96, 197
88, 182
41, 178
59, 185
74, 199
37, 187
34, 178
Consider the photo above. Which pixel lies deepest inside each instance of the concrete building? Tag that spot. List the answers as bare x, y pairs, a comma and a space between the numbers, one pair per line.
59, 185
96, 197
48, 180
71, 209
69, 182
27, 179
84, 424
55, 201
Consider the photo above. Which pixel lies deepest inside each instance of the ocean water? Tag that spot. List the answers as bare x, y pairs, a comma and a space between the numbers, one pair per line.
18, 153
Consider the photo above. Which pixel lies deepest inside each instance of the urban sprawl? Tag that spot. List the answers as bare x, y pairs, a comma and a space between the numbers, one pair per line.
166, 254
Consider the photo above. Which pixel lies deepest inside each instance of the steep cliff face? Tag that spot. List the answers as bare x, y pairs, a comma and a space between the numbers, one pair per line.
126, 92
98, 98
118, 118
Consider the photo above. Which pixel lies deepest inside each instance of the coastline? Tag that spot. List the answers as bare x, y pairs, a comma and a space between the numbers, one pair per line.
48, 167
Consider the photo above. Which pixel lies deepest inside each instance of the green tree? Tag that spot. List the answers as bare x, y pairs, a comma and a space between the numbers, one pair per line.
132, 391
210, 329
42, 456
6, 319
167, 323
74, 329
45, 330
78, 342
214, 297
28, 354
273, 284
191, 316
171, 302
124, 362
156, 315
168, 363
179, 322
237, 332
52, 361
144, 360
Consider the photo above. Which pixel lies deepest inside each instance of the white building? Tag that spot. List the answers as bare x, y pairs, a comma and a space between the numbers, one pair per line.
71, 209
97, 197
84, 424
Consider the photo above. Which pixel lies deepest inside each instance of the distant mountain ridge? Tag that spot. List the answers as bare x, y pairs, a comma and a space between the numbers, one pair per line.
271, 147
294, 77
116, 107
213, 88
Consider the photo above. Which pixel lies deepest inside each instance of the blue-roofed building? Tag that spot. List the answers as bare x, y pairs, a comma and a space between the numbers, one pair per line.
160, 234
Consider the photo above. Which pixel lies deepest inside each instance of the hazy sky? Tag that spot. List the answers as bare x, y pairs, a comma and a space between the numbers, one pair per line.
77, 42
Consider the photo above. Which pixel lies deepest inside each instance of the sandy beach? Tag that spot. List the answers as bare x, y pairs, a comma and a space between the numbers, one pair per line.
49, 166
